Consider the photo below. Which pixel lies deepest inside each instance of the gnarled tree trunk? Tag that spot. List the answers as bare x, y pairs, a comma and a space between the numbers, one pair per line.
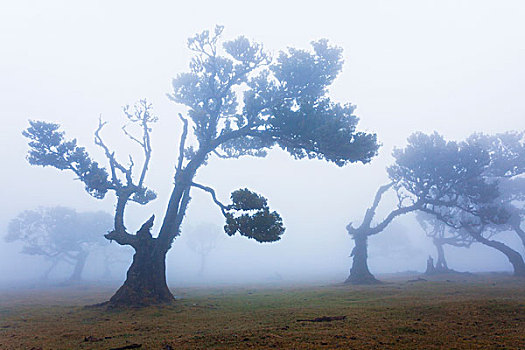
145, 281
359, 273
146, 278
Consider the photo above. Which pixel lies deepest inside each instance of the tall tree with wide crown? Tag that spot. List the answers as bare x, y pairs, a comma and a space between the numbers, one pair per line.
239, 102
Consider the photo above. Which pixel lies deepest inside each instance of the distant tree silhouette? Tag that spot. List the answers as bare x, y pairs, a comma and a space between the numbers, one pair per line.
202, 239
442, 235
439, 177
465, 191
239, 102
487, 210
507, 169
359, 272
60, 234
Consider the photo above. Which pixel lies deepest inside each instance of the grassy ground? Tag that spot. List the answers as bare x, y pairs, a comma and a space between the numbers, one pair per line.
486, 312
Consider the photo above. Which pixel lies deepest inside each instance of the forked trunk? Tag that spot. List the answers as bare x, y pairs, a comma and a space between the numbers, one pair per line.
146, 279
359, 273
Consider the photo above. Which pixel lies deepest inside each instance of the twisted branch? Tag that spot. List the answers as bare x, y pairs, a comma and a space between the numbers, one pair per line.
113, 163
211, 191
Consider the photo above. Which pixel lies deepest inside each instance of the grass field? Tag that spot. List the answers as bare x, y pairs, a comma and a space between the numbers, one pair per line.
461, 312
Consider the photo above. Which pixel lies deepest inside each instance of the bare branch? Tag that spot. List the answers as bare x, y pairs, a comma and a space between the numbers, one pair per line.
441, 217
146, 145
393, 214
141, 115
131, 136
113, 163
372, 210
99, 142
222, 156
131, 163
211, 191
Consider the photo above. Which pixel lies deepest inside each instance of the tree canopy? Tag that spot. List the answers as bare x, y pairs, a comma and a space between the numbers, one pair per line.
462, 183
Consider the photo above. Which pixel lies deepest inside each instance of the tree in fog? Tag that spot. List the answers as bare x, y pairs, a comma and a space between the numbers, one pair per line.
501, 207
507, 168
239, 102
429, 172
359, 272
512, 197
442, 235
202, 240
60, 234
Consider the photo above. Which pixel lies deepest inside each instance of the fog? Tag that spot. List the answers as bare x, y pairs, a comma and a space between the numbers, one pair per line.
451, 66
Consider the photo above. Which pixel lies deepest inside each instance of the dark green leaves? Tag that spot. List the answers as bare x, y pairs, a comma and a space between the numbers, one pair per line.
49, 148
322, 130
435, 169
245, 199
306, 75
282, 103
454, 180
255, 221
507, 152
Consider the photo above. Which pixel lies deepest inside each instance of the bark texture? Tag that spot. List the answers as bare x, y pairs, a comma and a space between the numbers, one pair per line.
359, 272
146, 278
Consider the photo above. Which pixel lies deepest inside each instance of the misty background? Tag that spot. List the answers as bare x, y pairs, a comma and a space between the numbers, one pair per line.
451, 66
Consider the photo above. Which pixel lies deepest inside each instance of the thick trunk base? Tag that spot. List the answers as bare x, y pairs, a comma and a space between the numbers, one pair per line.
362, 279
359, 273
145, 283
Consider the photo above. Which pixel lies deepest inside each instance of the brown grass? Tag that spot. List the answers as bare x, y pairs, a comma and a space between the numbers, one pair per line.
461, 313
